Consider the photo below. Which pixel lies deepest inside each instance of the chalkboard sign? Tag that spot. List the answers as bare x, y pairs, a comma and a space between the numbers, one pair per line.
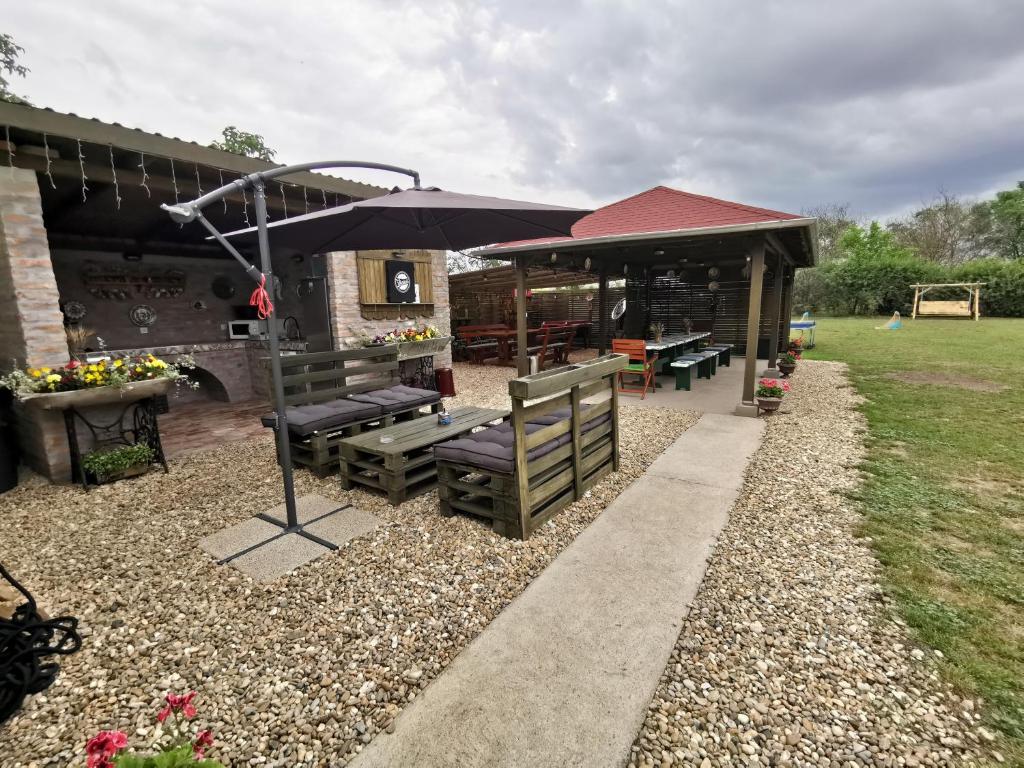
401, 282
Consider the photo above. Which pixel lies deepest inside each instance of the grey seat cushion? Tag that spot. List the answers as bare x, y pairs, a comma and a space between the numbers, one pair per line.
304, 420
493, 448
398, 398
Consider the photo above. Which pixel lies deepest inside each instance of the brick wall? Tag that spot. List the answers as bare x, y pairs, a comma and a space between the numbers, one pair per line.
347, 322
31, 325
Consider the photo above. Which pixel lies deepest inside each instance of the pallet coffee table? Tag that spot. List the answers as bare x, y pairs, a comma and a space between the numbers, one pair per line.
404, 466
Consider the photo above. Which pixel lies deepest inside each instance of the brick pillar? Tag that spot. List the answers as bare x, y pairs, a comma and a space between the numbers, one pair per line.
31, 324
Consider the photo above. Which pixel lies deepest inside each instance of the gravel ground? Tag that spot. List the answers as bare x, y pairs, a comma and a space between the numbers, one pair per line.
789, 655
304, 670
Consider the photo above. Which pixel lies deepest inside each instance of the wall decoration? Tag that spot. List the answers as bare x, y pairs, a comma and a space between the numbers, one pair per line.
199, 305
117, 283
714, 272
142, 315
223, 287
74, 311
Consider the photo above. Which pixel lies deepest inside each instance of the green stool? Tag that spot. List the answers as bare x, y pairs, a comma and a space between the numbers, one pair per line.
681, 368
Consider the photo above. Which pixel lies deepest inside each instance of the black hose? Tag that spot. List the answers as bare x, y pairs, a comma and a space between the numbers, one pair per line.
25, 639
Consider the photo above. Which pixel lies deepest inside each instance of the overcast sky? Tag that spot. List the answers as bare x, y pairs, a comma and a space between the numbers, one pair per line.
785, 104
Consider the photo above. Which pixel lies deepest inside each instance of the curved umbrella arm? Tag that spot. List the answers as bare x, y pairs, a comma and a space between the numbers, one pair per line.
184, 213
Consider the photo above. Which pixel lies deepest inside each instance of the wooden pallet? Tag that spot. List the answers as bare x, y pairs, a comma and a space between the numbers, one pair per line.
405, 466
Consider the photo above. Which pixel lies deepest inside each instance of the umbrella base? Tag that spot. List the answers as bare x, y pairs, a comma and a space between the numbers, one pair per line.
265, 548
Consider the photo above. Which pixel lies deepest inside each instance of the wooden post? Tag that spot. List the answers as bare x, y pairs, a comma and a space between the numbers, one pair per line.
753, 319
787, 309
776, 309
977, 302
522, 362
602, 311
521, 467
913, 311
577, 446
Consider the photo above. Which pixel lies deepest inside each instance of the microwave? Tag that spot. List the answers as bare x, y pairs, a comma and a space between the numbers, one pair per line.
243, 329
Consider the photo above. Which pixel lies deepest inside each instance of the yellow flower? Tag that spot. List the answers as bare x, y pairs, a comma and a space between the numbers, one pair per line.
53, 377
118, 363
45, 370
138, 369
35, 372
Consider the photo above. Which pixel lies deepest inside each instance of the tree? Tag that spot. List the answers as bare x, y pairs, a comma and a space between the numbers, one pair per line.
949, 231
1008, 220
833, 220
465, 261
9, 66
244, 143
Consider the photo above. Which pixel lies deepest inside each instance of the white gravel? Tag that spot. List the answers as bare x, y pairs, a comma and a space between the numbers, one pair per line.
301, 671
790, 655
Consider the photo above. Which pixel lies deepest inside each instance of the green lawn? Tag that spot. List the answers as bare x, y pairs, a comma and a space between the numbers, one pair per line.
943, 496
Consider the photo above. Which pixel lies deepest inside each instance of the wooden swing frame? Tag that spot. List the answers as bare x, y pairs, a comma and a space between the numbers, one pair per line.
969, 308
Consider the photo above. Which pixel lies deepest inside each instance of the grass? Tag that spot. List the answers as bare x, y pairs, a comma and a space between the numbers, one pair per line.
943, 497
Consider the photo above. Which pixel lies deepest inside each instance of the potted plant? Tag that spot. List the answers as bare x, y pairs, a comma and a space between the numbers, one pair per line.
177, 744
769, 394
107, 380
657, 331
787, 363
108, 466
412, 341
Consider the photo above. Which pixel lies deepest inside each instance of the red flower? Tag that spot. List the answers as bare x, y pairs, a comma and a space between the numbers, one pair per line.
203, 740
72, 364
182, 704
103, 746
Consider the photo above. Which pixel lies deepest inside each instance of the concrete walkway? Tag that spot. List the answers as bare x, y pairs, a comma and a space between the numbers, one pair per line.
563, 676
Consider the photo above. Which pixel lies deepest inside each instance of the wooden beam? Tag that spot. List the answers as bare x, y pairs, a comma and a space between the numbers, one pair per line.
602, 312
753, 319
522, 363
787, 310
776, 310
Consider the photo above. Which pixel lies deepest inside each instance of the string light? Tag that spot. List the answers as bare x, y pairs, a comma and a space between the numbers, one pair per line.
324, 193
145, 176
49, 162
220, 175
174, 182
245, 208
199, 184
305, 198
81, 168
284, 201
10, 150
113, 173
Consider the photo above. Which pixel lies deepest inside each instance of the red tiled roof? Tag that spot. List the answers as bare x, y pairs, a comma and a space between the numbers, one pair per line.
662, 209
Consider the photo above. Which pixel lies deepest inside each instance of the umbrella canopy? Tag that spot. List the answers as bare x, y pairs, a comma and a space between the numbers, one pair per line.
416, 218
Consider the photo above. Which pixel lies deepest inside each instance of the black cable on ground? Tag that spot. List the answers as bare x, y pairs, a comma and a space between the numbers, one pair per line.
25, 640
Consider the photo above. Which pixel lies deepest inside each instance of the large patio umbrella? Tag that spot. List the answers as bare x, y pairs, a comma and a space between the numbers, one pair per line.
416, 218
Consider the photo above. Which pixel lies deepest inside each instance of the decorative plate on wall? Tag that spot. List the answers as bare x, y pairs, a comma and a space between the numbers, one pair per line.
142, 315
222, 287
74, 311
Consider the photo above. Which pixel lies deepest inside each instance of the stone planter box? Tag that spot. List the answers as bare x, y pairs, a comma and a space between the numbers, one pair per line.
83, 398
113, 477
409, 350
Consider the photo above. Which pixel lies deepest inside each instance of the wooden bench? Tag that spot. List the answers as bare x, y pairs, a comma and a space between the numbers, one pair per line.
333, 395
404, 466
681, 368
518, 475
724, 353
472, 341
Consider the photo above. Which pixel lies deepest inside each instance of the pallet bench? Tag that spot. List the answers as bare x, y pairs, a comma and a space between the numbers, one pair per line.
554, 448
404, 466
333, 395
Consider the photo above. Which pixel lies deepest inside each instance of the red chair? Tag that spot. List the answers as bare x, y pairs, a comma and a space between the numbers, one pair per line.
640, 365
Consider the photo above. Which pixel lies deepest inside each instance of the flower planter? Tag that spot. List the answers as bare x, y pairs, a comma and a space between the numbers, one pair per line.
786, 369
409, 350
113, 477
80, 398
769, 404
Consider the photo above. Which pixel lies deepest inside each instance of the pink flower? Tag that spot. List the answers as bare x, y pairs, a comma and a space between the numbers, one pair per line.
203, 740
103, 746
176, 703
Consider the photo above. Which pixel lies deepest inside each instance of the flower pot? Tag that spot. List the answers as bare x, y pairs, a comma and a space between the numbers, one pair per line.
408, 350
80, 398
786, 369
769, 404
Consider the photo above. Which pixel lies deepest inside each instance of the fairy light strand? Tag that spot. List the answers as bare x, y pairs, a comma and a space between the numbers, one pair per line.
145, 176
220, 175
174, 182
245, 208
81, 168
305, 198
284, 200
324, 193
49, 162
10, 150
113, 174
199, 184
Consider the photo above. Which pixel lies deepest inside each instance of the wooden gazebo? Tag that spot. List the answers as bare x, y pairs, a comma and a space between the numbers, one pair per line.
719, 265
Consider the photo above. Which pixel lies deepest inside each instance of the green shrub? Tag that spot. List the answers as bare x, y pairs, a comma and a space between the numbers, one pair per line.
106, 463
1003, 292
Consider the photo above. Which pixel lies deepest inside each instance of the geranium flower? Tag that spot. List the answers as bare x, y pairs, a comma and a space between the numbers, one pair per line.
203, 740
103, 746
175, 703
